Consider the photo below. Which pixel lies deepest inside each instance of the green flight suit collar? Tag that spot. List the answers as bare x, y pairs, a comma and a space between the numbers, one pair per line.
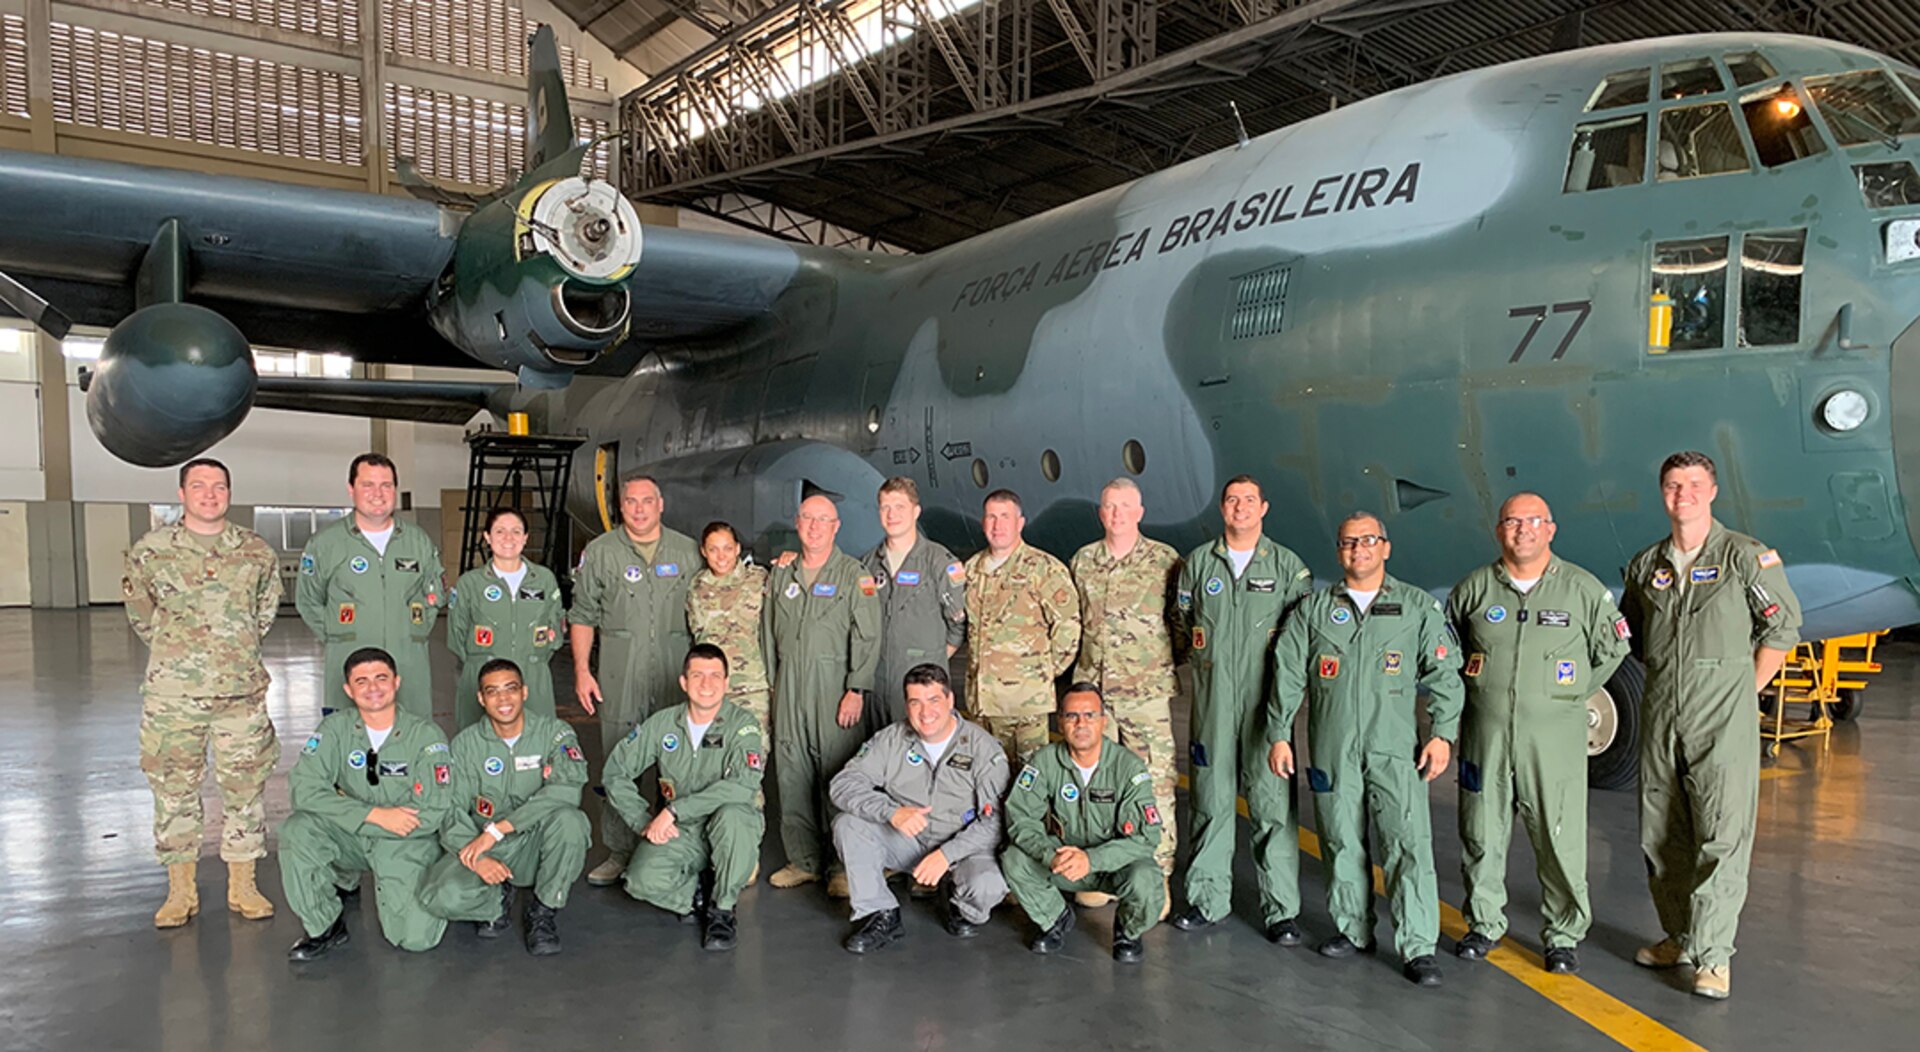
353, 527
1261, 550
879, 553
1387, 586
634, 546
403, 722
1500, 570
1716, 538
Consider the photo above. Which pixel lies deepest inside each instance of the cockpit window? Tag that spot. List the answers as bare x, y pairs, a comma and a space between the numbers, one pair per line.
1626, 88
1698, 141
1891, 185
1690, 280
1864, 107
1749, 67
1607, 154
1694, 76
1781, 129
1771, 265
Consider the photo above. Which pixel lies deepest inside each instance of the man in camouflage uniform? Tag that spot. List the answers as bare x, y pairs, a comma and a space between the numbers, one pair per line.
923, 600
820, 633
1024, 620
372, 580
201, 594
1127, 585
1713, 618
630, 591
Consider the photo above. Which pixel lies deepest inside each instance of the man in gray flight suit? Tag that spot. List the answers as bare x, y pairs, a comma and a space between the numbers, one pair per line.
1539, 635
923, 601
631, 591
1354, 650
922, 795
1713, 618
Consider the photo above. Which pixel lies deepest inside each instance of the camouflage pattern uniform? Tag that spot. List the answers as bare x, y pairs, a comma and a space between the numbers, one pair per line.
1024, 620
1126, 649
725, 611
202, 609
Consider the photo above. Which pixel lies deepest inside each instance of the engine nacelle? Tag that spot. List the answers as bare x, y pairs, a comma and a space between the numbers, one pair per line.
173, 379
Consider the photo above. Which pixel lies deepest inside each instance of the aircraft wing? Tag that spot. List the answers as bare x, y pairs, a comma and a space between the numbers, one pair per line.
422, 401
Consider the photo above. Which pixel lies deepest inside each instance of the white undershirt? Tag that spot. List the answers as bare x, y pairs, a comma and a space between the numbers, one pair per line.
1086, 773
1239, 559
513, 579
378, 738
1362, 600
1682, 562
935, 750
378, 539
696, 731
511, 742
1523, 585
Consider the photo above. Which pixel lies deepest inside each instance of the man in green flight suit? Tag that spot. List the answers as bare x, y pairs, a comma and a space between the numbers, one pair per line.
356, 810
1082, 817
371, 580
820, 635
1538, 635
631, 591
515, 819
923, 600
1355, 650
1227, 607
711, 759
1713, 618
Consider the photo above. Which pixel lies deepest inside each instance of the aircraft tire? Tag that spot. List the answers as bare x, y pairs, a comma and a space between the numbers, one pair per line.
1618, 765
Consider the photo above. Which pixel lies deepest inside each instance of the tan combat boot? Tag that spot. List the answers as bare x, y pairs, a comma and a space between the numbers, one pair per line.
183, 896
1092, 900
1715, 982
1667, 953
243, 896
791, 876
608, 872
837, 885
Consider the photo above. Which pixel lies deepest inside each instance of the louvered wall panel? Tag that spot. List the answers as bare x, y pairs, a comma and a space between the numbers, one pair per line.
13, 65
458, 138
333, 19
150, 87
477, 34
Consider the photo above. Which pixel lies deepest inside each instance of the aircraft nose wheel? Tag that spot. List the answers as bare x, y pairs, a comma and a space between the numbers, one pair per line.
1603, 722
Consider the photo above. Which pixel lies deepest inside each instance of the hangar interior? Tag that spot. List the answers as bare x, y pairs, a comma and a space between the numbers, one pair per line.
893, 126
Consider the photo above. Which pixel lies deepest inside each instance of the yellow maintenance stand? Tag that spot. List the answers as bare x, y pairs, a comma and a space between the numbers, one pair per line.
1824, 677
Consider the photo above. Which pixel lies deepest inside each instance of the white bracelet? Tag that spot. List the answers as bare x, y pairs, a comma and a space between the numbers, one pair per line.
494, 832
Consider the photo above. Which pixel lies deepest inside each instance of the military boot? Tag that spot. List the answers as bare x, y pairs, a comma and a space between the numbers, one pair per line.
502, 924
543, 928
243, 896
608, 872
837, 884
183, 896
1667, 953
792, 876
1092, 900
1715, 982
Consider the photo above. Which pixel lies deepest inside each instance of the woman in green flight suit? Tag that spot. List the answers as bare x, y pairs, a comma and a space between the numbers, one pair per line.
506, 608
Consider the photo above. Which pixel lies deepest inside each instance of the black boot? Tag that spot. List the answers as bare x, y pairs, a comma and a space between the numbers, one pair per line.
1340, 946
876, 931
957, 926
1127, 948
1053, 938
1423, 970
720, 935
500, 925
1285, 932
699, 908
1473, 946
543, 928
314, 947
1561, 960
1191, 919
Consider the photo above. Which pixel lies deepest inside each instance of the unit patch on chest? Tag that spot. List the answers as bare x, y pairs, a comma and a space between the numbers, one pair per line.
1329, 667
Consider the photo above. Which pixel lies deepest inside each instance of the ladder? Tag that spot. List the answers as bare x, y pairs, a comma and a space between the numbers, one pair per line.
528, 473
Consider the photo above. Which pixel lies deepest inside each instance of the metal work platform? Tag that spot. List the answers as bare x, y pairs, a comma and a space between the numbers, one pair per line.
526, 472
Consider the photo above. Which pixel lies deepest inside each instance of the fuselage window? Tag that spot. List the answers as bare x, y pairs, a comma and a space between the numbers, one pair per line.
1692, 274
1627, 88
1685, 79
1607, 153
1697, 141
1781, 129
1771, 267
1892, 185
1864, 107
1749, 67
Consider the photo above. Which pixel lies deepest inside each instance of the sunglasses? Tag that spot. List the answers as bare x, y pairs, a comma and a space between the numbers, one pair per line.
373, 765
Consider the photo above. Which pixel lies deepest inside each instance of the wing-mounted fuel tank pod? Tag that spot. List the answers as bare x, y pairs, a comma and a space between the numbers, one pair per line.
173, 377
538, 280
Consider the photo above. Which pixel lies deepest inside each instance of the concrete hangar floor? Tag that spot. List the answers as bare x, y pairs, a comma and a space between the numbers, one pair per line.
1830, 940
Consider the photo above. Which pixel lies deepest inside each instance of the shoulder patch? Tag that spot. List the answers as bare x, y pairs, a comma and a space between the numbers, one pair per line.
1142, 777
1027, 778
1303, 574
1769, 559
438, 747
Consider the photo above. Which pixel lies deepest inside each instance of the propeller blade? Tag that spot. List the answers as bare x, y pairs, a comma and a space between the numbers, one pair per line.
28, 304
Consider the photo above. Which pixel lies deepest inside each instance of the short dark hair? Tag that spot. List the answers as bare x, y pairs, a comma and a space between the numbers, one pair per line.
500, 513
500, 665
204, 462
720, 527
631, 477
367, 655
903, 485
1237, 480
703, 652
1081, 687
927, 674
1005, 496
1369, 516
372, 460
1689, 458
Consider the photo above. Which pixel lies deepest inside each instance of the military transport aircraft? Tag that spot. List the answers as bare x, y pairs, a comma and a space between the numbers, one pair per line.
1545, 275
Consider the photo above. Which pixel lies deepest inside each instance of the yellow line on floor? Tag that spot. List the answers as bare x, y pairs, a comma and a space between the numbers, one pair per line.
1585, 1001
1771, 773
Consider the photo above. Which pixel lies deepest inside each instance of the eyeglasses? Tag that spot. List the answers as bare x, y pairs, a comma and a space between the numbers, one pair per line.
1080, 717
373, 765
1365, 540
1531, 522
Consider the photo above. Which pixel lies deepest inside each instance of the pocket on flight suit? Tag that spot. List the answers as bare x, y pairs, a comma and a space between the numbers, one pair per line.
1470, 776
1319, 781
